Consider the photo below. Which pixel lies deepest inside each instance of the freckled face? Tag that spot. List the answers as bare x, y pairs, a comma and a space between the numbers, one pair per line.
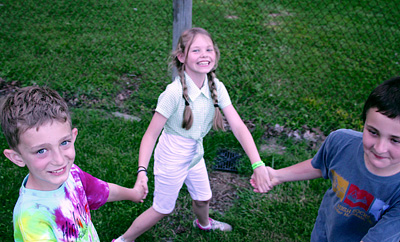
49, 153
381, 141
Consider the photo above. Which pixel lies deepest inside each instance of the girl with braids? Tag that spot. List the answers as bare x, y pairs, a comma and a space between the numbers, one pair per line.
185, 112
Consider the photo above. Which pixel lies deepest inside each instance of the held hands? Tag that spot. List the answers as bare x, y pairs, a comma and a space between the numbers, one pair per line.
264, 179
260, 180
140, 187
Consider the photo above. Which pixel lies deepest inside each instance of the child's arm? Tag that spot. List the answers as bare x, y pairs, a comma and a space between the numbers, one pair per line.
119, 193
243, 135
298, 172
147, 145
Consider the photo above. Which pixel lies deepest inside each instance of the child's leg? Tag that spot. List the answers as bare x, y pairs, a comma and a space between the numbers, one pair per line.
166, 191
143, 223
201, 210
203, 221
199, 188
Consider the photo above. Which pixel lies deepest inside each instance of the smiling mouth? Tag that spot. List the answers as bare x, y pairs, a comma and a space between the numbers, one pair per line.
58, 171
204, 63
378, 156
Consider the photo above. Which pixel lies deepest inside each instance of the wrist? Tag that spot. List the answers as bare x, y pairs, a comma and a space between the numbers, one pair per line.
141, 169
257, 164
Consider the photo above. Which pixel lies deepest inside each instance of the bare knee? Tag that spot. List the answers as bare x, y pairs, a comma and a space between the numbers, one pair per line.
157, 214
201, 204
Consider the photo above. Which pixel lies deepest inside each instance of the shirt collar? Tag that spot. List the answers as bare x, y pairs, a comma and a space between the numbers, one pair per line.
194, 91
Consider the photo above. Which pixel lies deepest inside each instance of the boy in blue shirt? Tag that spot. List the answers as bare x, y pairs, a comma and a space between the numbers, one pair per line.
363, 203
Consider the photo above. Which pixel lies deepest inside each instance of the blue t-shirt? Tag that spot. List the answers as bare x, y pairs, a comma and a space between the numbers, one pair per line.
360, 206
62, 214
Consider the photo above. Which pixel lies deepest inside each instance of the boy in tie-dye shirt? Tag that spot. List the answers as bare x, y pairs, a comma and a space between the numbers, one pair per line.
56, 196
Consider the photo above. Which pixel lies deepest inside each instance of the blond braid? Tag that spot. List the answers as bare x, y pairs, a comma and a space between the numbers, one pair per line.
187, 113
218, 122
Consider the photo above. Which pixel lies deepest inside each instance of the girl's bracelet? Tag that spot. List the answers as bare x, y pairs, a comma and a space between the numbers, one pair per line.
140, 169
257, 164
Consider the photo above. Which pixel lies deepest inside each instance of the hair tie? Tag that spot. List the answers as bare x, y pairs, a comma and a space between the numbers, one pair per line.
186, 101
216, 105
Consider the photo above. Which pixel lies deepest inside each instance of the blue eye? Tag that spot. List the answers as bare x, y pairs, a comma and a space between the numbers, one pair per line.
64, 143
41, 151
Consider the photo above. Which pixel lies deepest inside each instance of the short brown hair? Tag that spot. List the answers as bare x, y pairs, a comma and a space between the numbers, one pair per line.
31, 107
386, 98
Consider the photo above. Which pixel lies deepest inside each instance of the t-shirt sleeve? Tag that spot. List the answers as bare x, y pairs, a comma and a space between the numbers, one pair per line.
169, 99
97, 191
335, 147
387, 228
223, 96
322, 160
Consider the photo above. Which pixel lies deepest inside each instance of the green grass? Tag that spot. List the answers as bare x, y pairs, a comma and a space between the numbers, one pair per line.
292, 63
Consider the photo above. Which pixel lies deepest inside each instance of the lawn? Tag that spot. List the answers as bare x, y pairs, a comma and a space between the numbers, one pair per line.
295, 71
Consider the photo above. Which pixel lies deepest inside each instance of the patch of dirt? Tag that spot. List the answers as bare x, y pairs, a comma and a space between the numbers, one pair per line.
224, 186
129, 86
75, 100
313, 136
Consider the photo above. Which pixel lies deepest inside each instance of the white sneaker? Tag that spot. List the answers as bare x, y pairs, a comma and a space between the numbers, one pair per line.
215, 225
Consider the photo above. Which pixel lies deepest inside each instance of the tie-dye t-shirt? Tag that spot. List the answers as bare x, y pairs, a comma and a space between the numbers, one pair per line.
62, 214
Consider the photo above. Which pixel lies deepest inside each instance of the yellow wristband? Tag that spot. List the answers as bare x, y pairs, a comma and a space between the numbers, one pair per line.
257, 164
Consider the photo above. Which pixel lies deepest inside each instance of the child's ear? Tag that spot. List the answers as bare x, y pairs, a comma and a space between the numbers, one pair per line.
74, 134
181, 57
14, 156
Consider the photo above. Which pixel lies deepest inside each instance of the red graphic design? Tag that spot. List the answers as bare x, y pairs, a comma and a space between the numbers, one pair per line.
358, 198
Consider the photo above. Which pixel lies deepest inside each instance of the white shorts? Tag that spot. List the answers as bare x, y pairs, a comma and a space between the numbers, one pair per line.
172, 158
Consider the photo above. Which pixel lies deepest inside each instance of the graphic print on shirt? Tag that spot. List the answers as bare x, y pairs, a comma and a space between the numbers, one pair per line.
74, 226
78, 227
355, 201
